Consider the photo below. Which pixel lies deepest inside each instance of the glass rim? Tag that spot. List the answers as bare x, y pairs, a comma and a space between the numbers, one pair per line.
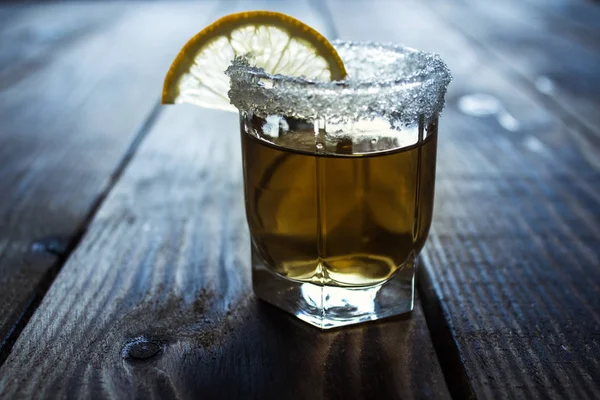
417, 76
403, 84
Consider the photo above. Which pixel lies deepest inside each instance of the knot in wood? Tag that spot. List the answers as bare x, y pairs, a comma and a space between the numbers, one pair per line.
141, 348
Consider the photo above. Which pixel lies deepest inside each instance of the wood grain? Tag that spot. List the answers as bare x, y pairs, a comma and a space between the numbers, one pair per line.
576, 19
156, 301
167, 259
559, 69
74, 93
512, 263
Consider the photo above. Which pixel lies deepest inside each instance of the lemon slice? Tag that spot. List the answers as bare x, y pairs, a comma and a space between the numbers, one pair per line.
276, 42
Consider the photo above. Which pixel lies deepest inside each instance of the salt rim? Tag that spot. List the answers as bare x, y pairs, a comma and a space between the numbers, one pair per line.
387, 81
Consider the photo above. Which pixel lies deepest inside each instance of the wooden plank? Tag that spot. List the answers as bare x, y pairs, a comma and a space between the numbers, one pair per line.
32, 37
512, 260
156, 302
574, 20
554, 65
167, 258
583, 15
74, 95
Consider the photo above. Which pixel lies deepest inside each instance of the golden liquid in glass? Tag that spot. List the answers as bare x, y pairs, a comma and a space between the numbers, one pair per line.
341, 218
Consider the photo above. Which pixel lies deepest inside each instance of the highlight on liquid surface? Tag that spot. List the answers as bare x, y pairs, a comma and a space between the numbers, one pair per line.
344, 210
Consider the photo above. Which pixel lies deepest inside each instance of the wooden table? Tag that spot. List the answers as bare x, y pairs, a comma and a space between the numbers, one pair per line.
124, 254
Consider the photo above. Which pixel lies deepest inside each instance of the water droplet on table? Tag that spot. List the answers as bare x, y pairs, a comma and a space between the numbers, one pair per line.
544, 85
508, 122
483, 105
533, 144
479, 104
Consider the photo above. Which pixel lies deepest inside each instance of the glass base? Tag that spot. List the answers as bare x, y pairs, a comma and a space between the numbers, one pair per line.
332, 306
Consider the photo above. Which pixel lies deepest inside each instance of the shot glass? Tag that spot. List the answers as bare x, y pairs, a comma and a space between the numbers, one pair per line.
339, 181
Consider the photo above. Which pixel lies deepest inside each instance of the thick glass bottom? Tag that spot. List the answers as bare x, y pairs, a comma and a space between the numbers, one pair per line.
332, 306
